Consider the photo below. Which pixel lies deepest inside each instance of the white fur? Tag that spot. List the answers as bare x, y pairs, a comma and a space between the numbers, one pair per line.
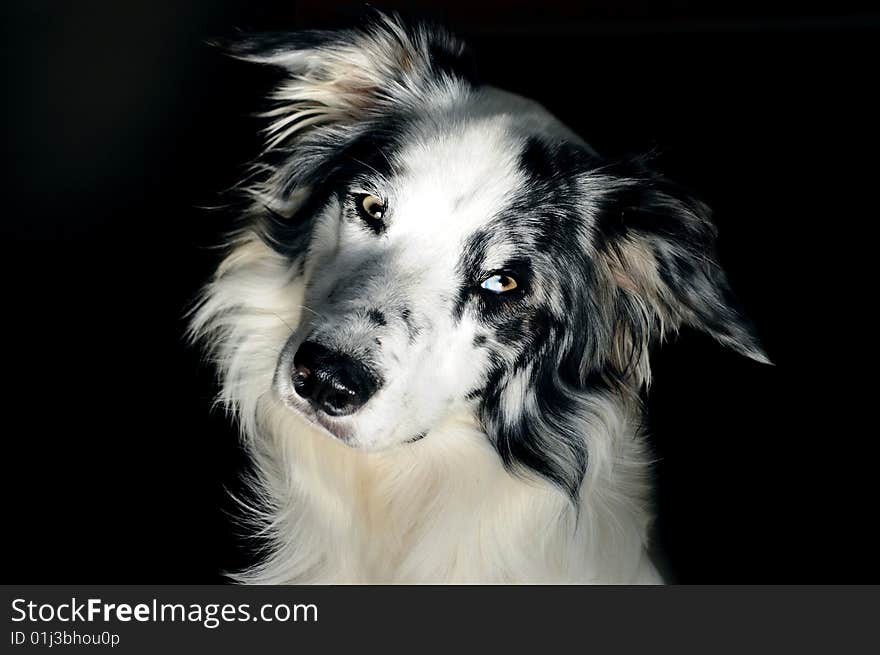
443, 509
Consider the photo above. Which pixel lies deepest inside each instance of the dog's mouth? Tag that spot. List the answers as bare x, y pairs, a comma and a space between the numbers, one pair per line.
335, 427
338, 428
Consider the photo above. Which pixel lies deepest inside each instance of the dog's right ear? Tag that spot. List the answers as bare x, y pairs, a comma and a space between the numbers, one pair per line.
348, 76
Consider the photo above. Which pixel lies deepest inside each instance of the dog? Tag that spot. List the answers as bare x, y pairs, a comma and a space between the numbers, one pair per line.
433, 325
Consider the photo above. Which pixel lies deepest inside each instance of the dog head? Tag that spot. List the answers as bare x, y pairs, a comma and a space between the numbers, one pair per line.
462, 251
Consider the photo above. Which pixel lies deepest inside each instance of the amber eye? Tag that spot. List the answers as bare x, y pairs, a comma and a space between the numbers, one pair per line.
370, 207
500, 283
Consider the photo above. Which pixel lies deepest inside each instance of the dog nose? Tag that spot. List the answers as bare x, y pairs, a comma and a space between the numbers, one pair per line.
331, 381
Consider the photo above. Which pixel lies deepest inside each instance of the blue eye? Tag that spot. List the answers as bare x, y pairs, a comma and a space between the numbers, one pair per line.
499, 283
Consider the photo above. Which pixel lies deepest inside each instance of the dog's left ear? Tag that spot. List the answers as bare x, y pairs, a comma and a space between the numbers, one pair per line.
658, 245
344, 77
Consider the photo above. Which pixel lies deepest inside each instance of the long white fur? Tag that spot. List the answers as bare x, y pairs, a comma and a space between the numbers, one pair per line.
443, 509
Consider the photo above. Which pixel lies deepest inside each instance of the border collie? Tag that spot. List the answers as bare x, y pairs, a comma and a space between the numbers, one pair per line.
433, 325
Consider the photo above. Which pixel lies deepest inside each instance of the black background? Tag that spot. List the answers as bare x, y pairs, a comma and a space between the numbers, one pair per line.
122, 125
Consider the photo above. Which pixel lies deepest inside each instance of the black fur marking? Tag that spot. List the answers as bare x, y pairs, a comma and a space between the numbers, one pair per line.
412, 329
474, 394
547, 162
568, 354
537, 440
479, 340
368, 154
543, 226
418, 437
536, 159
471, 268
376, 317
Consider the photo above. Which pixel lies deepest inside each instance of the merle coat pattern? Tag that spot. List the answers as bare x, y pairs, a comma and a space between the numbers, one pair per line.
434, 323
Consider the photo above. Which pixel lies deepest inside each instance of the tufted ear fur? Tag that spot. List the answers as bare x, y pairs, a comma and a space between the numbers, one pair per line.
348, 76
657, 247
343, 98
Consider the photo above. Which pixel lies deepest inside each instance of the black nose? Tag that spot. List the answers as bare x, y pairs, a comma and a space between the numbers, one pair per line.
331, 381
